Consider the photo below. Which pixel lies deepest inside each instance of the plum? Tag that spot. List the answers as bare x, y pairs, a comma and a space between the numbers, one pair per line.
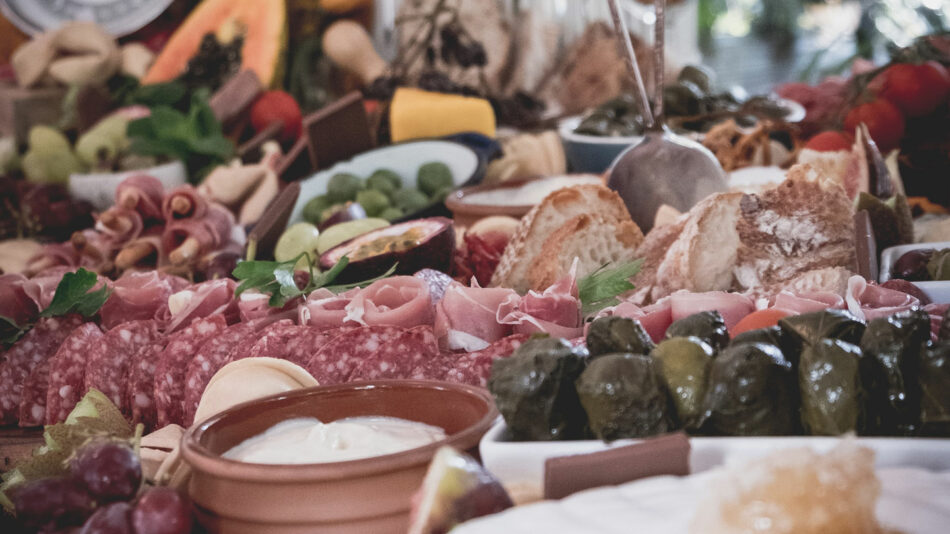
456, 489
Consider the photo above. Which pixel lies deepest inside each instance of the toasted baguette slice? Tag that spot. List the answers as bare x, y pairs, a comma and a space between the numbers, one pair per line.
653, 250
804, 224
545, 219
704, 254
593, 241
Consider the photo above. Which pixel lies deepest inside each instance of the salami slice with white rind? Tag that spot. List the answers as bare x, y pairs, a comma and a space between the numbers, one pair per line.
337, 360
34, 348
172, 365
109, 361
140, 387
291, 342
67, 371
474, 368
411, 350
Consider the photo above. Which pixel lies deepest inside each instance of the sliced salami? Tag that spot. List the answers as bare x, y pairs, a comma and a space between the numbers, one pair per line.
172, 365
33, 400
140, 387
291, 342
411, 350
474, 368
67, 371
336, 361
109, 361
34, 348
214, 354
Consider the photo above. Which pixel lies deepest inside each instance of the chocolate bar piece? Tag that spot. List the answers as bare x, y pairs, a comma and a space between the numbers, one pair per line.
234, 97
338, 131
663, 455
295, 164
267, 231
865, 246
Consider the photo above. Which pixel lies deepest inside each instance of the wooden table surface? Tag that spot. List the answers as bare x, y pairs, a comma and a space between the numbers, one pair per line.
16, 444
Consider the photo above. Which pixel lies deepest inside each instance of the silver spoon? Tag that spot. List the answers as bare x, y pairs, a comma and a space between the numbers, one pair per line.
663, 168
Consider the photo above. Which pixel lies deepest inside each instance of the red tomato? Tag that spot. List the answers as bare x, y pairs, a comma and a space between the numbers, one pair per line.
830, 141
884, 121
278, 106
916, 89
758, 319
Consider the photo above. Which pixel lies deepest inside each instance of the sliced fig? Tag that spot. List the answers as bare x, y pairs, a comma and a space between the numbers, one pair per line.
456, 489
414, 245
341, 213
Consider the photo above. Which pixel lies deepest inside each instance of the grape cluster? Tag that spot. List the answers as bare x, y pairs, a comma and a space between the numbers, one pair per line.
34, 210
458, 48
214, 62
100, 494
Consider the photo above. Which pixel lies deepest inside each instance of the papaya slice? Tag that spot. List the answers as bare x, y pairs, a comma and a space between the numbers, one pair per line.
260, 23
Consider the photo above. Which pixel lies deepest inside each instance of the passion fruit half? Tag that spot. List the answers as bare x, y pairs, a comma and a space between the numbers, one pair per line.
414, 245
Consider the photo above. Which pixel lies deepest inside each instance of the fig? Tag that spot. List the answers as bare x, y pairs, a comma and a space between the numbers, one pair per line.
912, 266
345, 231
456, 489
341, 213
414, 245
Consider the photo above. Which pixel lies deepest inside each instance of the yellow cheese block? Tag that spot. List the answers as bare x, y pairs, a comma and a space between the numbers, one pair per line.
417, 114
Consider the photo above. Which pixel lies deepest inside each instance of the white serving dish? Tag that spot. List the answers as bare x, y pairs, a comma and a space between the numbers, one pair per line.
913, 501
591, 153
938, 292
521, 464
98, 188
403, 158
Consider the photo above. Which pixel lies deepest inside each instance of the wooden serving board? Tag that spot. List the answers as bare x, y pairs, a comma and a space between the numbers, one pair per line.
17, 444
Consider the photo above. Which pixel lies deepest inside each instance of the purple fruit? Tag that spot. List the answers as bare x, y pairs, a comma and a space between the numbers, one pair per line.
115, 518
162, 510
110, 470
342, 213
912, 266
54, 501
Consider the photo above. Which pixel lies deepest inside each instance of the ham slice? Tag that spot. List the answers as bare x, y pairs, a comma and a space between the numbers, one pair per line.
467, 317
142, 194
193, 237
396, 301
325, 310
183, 203
556, 311
655, 318
140, 296
214, 297
807, 302
118, 226
732, 306
16, 303
868, 301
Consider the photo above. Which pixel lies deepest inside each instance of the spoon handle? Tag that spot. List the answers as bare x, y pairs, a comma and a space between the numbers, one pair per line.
620, 27
659, 60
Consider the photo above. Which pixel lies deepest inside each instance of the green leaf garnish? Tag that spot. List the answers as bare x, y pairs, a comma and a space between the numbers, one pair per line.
10, 331
276, 278
601, 288
74, 295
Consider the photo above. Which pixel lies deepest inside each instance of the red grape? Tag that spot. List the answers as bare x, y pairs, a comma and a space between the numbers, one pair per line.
57, 501
110, 470
115, 518
162, 510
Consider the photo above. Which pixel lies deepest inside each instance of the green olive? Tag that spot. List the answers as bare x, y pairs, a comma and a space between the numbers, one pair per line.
433, 176
343, 187
314, 208
410, 200
373, 201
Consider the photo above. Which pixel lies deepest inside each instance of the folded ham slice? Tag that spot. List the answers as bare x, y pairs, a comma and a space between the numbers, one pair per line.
214, 297
655, 318
732, 306
868, 301
556, 311
807, 302
324, 309
140, 296
396, 301
467, 317
143, 194
16, 303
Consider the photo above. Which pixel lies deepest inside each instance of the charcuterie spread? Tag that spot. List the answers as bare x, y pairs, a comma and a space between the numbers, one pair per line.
358, 266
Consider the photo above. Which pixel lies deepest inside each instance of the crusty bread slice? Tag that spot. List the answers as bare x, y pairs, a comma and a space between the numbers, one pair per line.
826, 280
593, 241
546, 218
704, 254
653, 250
804, 224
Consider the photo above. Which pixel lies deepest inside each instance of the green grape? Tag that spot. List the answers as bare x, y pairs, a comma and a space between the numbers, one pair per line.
113, 127
297, 239
373, 201
34, 167
60, 167
97, 149
48, 141
391, 213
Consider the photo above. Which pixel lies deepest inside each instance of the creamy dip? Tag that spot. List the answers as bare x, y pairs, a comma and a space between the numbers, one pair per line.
530, 193
306, 440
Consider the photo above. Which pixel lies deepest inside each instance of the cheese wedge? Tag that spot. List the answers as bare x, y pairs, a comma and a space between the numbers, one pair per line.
417, 114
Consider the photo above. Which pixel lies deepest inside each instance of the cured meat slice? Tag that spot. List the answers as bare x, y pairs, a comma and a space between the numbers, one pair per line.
214, 354
140, 387
172, 364
291, 342
67, 371
33, 400
474, 368
109, 361
339, 357
400, 358
34, 348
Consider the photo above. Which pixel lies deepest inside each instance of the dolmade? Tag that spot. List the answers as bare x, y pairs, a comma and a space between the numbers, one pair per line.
892, 348
534, 390
810, 328
707, 325
617, 334
624, 397
935, 390
683, 363
774, 336
833, 399
751, 392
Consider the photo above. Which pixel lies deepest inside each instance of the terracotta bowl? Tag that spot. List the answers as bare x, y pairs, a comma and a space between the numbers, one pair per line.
365, 496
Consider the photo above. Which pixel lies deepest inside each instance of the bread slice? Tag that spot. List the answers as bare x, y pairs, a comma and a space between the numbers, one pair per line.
804, 224
826, 280
653, 250
703, 256
546, 218
593, 241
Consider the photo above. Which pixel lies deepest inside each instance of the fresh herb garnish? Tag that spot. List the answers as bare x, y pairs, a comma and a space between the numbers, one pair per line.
276, 278
600, 289
194, 137
73, 295
10, 331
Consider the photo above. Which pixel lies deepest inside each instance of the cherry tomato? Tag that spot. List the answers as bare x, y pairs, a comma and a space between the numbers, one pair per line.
916, 90
884, 121
830, 141
759, 319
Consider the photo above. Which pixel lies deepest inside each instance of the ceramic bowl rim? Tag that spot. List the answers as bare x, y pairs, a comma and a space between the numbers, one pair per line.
202, 460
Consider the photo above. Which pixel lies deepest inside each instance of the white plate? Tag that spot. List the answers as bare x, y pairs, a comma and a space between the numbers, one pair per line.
912, 500
938, 292
521, 464
99, 188
404, 158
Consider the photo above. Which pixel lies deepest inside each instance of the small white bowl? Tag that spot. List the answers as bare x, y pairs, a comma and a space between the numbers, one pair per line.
591, 153
937, 292
98, 188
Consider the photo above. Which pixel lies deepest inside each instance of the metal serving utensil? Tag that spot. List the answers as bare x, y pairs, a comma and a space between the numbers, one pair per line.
663, 168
